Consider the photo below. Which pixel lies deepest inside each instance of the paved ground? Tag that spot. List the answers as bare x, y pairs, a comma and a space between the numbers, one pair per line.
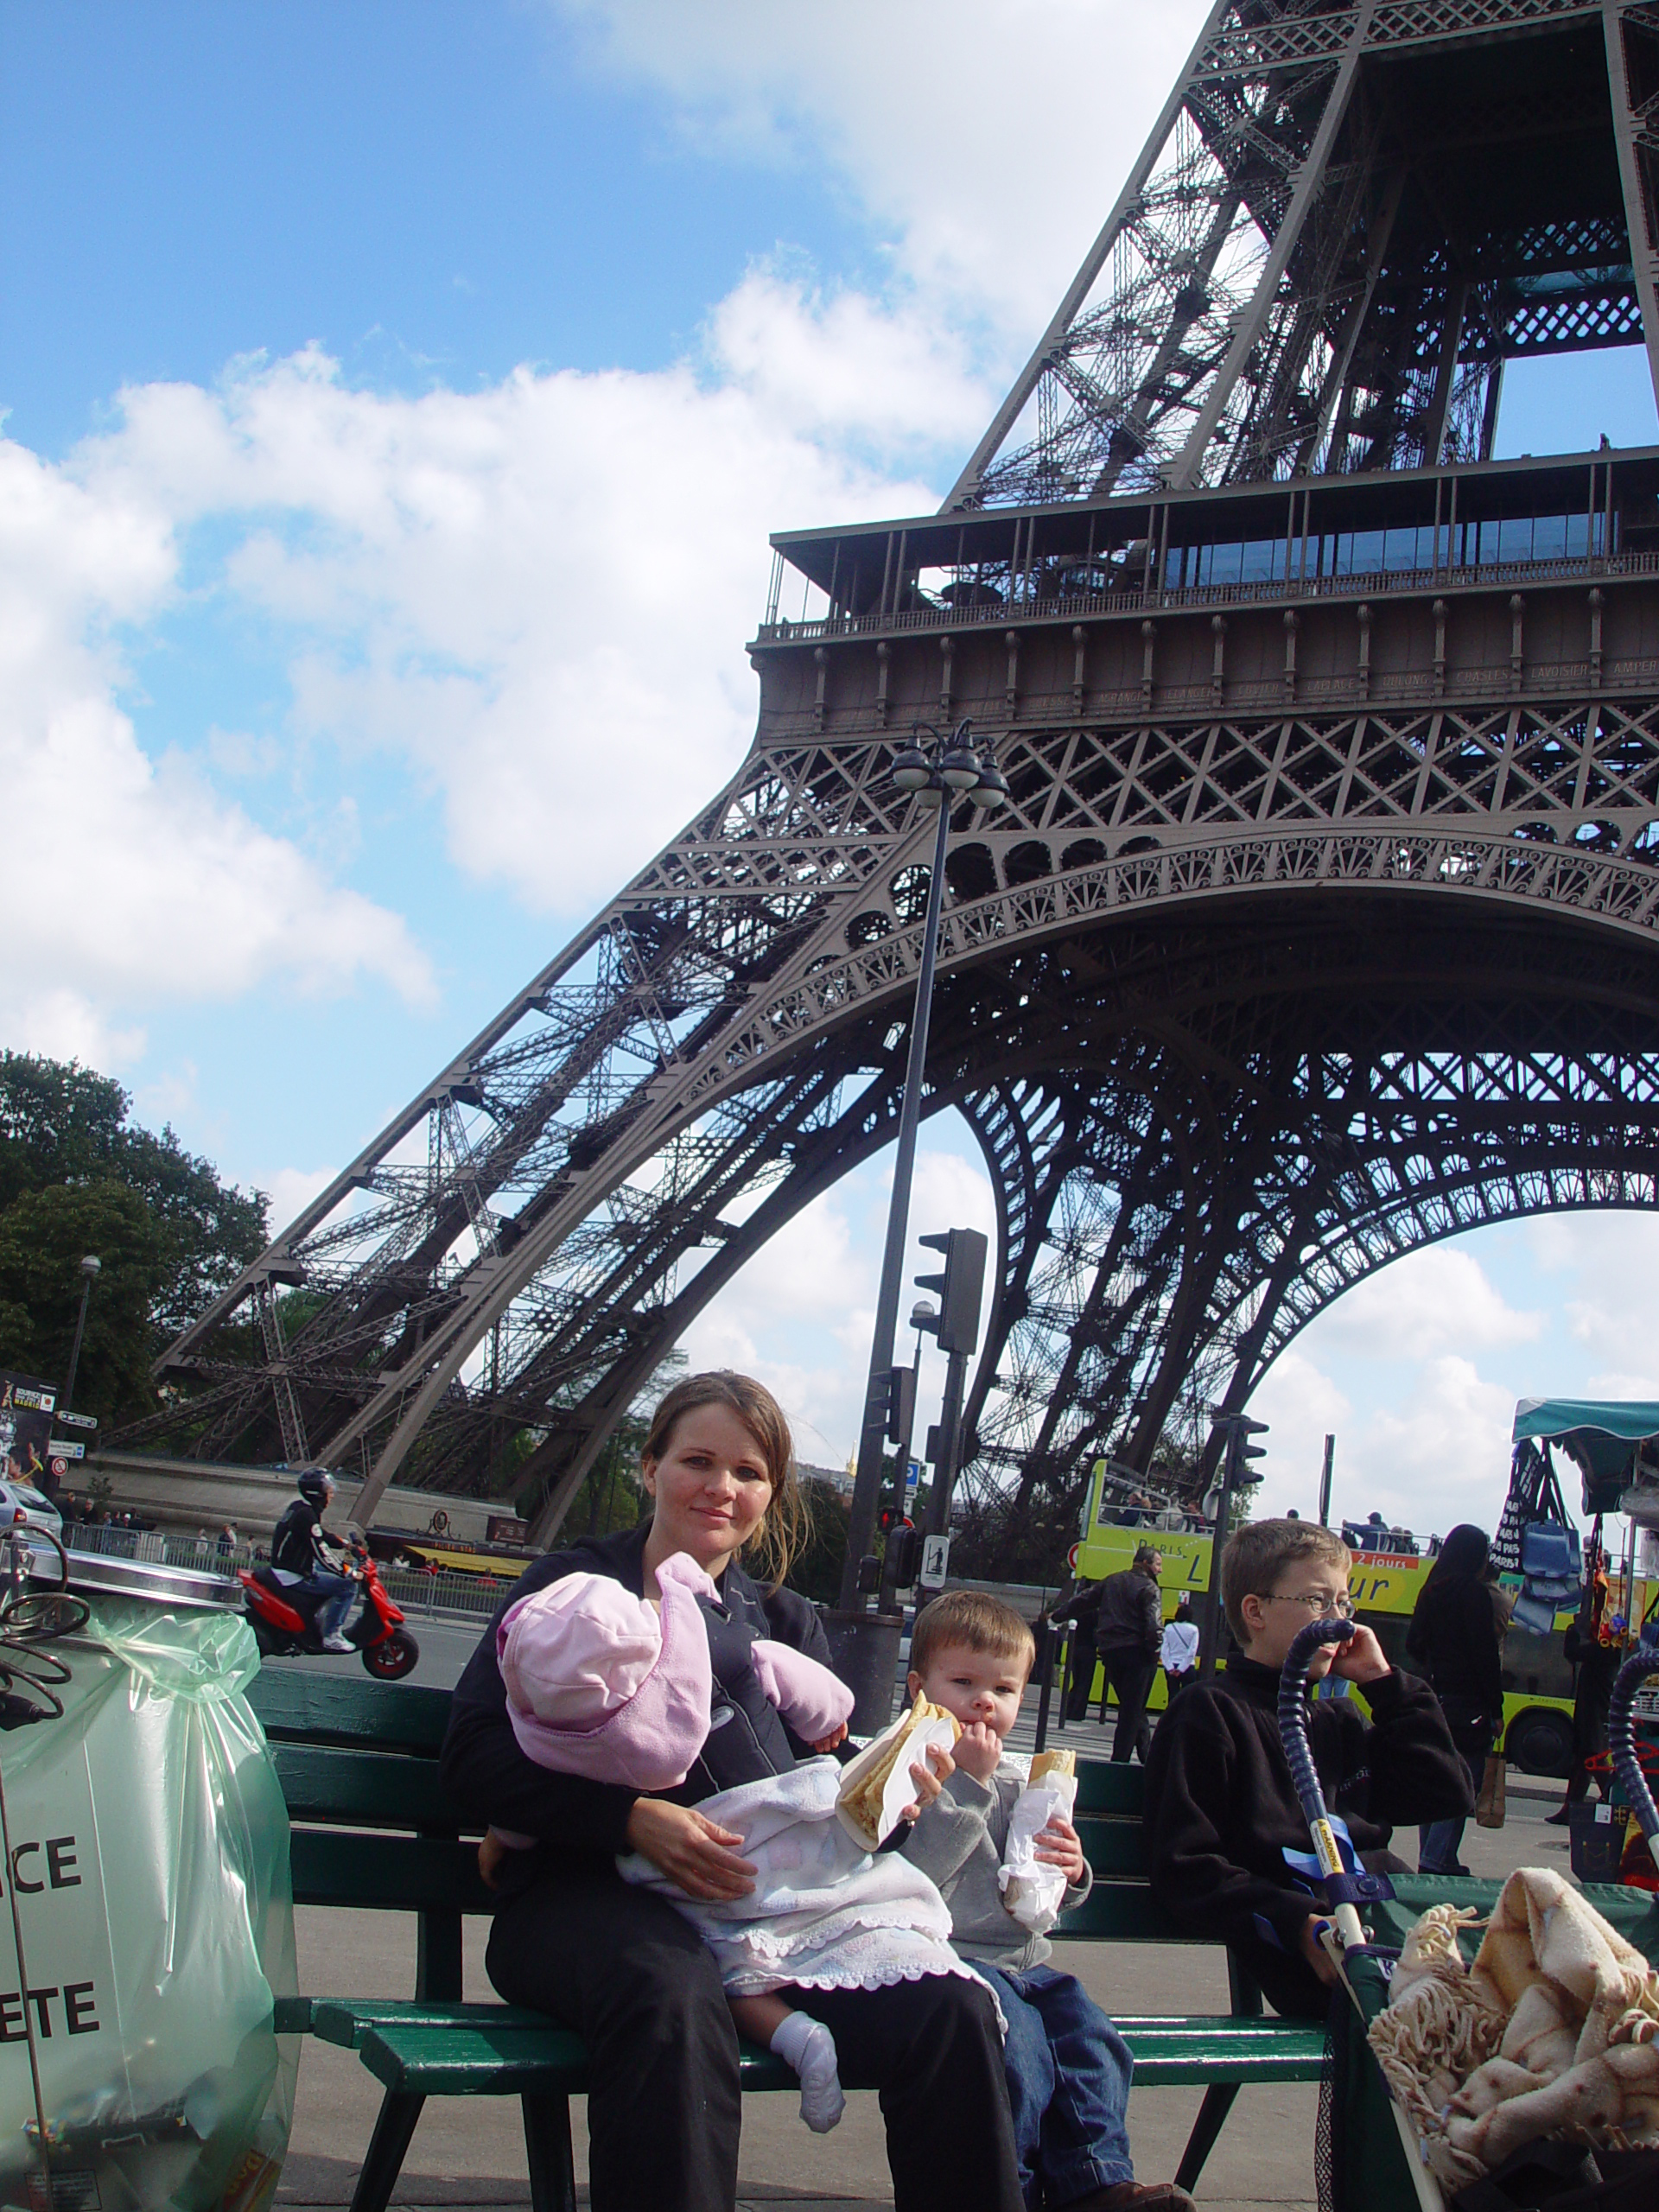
470, 2153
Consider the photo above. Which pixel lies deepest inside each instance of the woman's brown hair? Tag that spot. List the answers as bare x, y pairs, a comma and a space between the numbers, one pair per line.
781, 1534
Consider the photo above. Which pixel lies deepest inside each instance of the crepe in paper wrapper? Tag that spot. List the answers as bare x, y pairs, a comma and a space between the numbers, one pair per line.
1033, 1891
877, 1785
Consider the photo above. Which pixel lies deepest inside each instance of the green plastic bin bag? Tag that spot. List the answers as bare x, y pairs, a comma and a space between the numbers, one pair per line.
149, 1873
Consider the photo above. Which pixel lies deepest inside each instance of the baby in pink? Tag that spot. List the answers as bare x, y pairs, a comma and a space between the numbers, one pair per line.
618, 1690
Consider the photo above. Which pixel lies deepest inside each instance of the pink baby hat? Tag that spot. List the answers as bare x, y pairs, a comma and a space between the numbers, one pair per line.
599, 1684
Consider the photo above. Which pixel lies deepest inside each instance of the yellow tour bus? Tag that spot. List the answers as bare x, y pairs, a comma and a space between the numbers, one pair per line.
1537, 1676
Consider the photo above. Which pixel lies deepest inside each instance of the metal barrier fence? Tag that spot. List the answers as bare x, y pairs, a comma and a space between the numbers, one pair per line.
413, 1590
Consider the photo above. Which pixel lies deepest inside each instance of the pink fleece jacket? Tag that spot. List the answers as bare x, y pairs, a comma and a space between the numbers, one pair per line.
603, 1684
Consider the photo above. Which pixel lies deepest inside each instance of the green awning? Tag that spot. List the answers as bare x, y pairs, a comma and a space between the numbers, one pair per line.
1601, 1437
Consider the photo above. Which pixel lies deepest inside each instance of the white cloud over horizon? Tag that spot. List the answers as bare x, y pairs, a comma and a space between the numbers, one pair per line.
986, 140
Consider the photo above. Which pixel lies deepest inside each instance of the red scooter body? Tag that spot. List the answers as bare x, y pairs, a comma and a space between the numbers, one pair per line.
284, 1618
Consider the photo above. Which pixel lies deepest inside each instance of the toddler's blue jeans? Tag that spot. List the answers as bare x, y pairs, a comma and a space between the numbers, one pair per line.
1068, 2072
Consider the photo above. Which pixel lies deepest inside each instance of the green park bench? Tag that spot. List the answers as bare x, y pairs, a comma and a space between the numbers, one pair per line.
372, 1830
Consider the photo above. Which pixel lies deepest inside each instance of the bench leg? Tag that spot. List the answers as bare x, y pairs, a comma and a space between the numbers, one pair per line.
388, 2147
1212, 2118
547, 2148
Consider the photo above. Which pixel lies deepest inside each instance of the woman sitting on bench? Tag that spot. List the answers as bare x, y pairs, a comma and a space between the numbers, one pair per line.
618, 1963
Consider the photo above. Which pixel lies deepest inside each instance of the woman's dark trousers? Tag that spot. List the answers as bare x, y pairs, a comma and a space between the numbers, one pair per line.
933, 2049
623, 1968
664, 2111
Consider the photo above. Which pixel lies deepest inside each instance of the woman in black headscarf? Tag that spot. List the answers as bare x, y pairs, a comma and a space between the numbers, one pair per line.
1453, 1638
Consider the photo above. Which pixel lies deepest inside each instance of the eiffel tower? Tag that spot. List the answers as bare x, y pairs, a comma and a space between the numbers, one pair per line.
1321, 922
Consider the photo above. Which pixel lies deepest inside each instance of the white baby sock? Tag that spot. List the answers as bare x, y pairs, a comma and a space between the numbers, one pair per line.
808, 2049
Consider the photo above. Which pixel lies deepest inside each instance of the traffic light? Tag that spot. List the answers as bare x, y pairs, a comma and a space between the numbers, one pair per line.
902, 1403
905, 1554
1241, 1451
959, 1286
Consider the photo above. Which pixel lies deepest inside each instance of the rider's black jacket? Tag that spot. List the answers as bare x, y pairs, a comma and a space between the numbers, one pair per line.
296, 1540
491, 1779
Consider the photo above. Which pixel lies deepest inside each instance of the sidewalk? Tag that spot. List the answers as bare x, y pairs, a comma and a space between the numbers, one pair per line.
469, 2151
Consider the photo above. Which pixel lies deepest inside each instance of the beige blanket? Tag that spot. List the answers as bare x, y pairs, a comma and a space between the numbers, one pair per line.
1550, 2032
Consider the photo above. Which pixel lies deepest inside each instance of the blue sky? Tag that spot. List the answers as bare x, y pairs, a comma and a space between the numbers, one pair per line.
398, 397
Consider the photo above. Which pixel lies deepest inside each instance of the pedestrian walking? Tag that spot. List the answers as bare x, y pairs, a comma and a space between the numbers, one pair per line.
1596, 1666
1453, 1637
1179, 1653
1078, 1608
1128, 1636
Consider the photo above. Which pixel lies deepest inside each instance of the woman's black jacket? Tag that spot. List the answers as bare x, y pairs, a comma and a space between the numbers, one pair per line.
1453, 1638
490, 1779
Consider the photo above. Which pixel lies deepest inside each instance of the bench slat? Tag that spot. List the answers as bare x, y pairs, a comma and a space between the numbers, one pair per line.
1115, 1849
370, 1789
1107, 1789
443, 2058
345, 2020
1120, 1912
335, 1708
404, 1873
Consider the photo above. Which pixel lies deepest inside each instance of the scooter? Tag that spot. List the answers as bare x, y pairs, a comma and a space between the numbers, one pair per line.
283, 1616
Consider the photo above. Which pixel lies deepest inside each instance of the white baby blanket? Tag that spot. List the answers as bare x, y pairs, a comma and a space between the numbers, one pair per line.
824, 1913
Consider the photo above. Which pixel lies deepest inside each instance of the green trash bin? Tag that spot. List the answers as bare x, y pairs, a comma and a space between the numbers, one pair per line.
149, 1884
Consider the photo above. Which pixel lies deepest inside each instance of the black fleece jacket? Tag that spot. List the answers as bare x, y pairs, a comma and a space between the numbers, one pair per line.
1453, 1638
491, 1780
1221, 1806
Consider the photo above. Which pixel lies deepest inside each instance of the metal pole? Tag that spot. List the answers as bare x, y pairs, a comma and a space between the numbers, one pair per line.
1210, 1636
1325, 1481
86, 1276
944, 1467
1045, 1680
888, 1600
866, 1646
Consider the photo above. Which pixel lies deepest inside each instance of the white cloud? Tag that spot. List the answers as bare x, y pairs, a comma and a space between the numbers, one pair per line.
841, 365
144, 884
1607, 1266
1431, 1450
535, 597
989, 138
290, 1190
1425, 1300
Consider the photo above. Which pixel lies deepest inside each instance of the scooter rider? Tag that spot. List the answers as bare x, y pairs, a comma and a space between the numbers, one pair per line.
298, 1545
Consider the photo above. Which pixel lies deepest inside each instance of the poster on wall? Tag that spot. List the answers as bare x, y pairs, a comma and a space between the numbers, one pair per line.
26, 1404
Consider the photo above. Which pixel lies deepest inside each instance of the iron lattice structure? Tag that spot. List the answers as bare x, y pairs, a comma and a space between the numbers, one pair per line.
1321, 922
1351, 214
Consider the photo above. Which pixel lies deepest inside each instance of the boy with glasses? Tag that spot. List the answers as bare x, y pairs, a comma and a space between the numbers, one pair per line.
1222, 1810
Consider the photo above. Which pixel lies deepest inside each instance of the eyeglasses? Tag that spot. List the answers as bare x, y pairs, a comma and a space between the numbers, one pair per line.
1316, 1601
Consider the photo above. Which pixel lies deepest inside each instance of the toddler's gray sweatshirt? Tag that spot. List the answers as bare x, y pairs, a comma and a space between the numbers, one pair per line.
958, 1843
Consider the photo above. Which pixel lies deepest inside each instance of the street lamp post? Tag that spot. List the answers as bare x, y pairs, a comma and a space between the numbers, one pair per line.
939, 771
89, 1267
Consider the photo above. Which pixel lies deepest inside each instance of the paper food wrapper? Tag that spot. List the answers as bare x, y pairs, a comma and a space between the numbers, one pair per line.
1032, 1891
900, 1788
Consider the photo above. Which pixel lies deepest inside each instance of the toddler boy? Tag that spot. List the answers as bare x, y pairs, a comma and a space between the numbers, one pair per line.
1068, 2068
1222, 1809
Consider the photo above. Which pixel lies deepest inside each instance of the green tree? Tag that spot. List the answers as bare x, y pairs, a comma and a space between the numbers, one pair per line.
43, 1234
815, 1571
76, 1176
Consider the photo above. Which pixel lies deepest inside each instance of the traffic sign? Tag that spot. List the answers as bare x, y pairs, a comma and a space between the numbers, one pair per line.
60, 1469
60, 1449
76, 1421
936, 1558
1071, 1557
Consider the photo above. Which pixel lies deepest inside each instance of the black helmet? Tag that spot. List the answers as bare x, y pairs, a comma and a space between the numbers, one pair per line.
317, 1485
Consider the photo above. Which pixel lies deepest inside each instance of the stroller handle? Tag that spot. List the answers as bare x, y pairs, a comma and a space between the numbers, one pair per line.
1621, 1738
1293, 1733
